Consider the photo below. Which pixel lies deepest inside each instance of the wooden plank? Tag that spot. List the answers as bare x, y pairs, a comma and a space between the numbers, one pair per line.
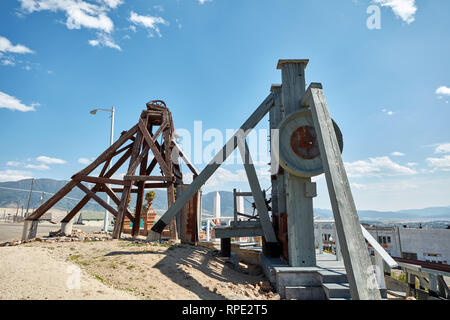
299, 207
139, 159
154, 149
356, 258
103, 180
215, 163
260, 201
148, 178
174, 233
185, 159
97, 198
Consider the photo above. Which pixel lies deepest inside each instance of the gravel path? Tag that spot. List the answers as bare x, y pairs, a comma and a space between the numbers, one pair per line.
34, 273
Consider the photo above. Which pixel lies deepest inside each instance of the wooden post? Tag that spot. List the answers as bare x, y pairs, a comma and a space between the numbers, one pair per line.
299, 207
356, 257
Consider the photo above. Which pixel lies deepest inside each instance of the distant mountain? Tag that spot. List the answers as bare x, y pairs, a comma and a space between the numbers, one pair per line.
13, 194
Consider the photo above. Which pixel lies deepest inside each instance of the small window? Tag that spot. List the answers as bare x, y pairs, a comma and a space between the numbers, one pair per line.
388, 239
379, 239
384, 240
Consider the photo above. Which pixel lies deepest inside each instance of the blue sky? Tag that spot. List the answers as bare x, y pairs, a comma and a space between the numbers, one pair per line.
214, 61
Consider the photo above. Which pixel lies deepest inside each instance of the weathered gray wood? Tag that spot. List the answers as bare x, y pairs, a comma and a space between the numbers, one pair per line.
356, 258
215, 163
299, 207
260, 201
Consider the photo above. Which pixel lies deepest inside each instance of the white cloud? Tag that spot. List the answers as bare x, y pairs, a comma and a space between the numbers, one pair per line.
13, 163
12, 103
14, 175
397, 154
439, 164
388, 112
204, 1
223, 176
148, 22
85, 161
443, 148
79, 13
48, 160
404, 9
377, 167
7, 46
443, 91
8, 62
412, 164
37, 166
104, 40
111, 3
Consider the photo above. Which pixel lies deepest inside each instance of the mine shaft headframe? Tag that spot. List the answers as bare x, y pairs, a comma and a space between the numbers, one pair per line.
156, 104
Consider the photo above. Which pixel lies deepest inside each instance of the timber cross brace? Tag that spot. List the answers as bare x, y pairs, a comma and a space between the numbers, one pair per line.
142, 141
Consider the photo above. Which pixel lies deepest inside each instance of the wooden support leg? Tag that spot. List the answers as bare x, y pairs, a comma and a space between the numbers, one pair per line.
354, 250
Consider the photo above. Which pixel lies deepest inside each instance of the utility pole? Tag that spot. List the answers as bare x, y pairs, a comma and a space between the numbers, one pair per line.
29, 197
111, 141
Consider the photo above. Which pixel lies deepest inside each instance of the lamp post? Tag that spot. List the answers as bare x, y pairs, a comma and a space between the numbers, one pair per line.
111, 141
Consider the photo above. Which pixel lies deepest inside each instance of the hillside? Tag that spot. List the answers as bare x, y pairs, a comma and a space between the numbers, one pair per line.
11, 196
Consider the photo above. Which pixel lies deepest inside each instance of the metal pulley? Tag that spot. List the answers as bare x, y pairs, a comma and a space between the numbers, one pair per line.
298, 150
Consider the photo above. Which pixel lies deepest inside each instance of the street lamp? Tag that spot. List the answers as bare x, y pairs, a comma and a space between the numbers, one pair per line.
111, 141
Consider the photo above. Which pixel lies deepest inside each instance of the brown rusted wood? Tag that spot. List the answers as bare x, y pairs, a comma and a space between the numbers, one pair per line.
126, 190
103, 180
154, 149
97, 198
115, 199
108, 153
147, 178
52, 201
139, 159
140, 198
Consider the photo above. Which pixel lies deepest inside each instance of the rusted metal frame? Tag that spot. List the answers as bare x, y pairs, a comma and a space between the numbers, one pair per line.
108, 153
97, 198
97, 187
153, 147
126, 190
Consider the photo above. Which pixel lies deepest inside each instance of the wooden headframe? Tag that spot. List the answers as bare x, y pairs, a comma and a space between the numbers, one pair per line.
141, 140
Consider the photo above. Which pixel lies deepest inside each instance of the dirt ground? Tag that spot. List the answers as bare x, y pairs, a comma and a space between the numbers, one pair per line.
123, 270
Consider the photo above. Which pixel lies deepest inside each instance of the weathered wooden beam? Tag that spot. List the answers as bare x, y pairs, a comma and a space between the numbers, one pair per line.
153, 147
356, 258
215, 163
103, 180
97, 198
140, 198
260, 201
108, 153
97, 187
147, 178
116, 200
52, 201
126, 190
